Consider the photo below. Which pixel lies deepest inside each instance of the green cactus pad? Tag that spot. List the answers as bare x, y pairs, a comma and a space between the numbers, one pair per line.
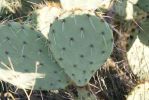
24, 46
144, 33
81, 44
120, 7
144, 4
124, 9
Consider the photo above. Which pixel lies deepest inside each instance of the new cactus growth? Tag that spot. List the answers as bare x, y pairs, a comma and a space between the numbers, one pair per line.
80, 44
25, 58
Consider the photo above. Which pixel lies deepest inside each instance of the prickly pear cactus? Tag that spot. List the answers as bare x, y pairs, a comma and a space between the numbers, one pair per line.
144, 4
24, 57
143, 34
124, 8
139, 14
140, 92
81, 44
138, 55
120, 7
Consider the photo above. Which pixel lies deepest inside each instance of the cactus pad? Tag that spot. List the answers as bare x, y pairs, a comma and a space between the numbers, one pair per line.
143, 34
81, 44
144, 4
124, 8
25, 51
120, 7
